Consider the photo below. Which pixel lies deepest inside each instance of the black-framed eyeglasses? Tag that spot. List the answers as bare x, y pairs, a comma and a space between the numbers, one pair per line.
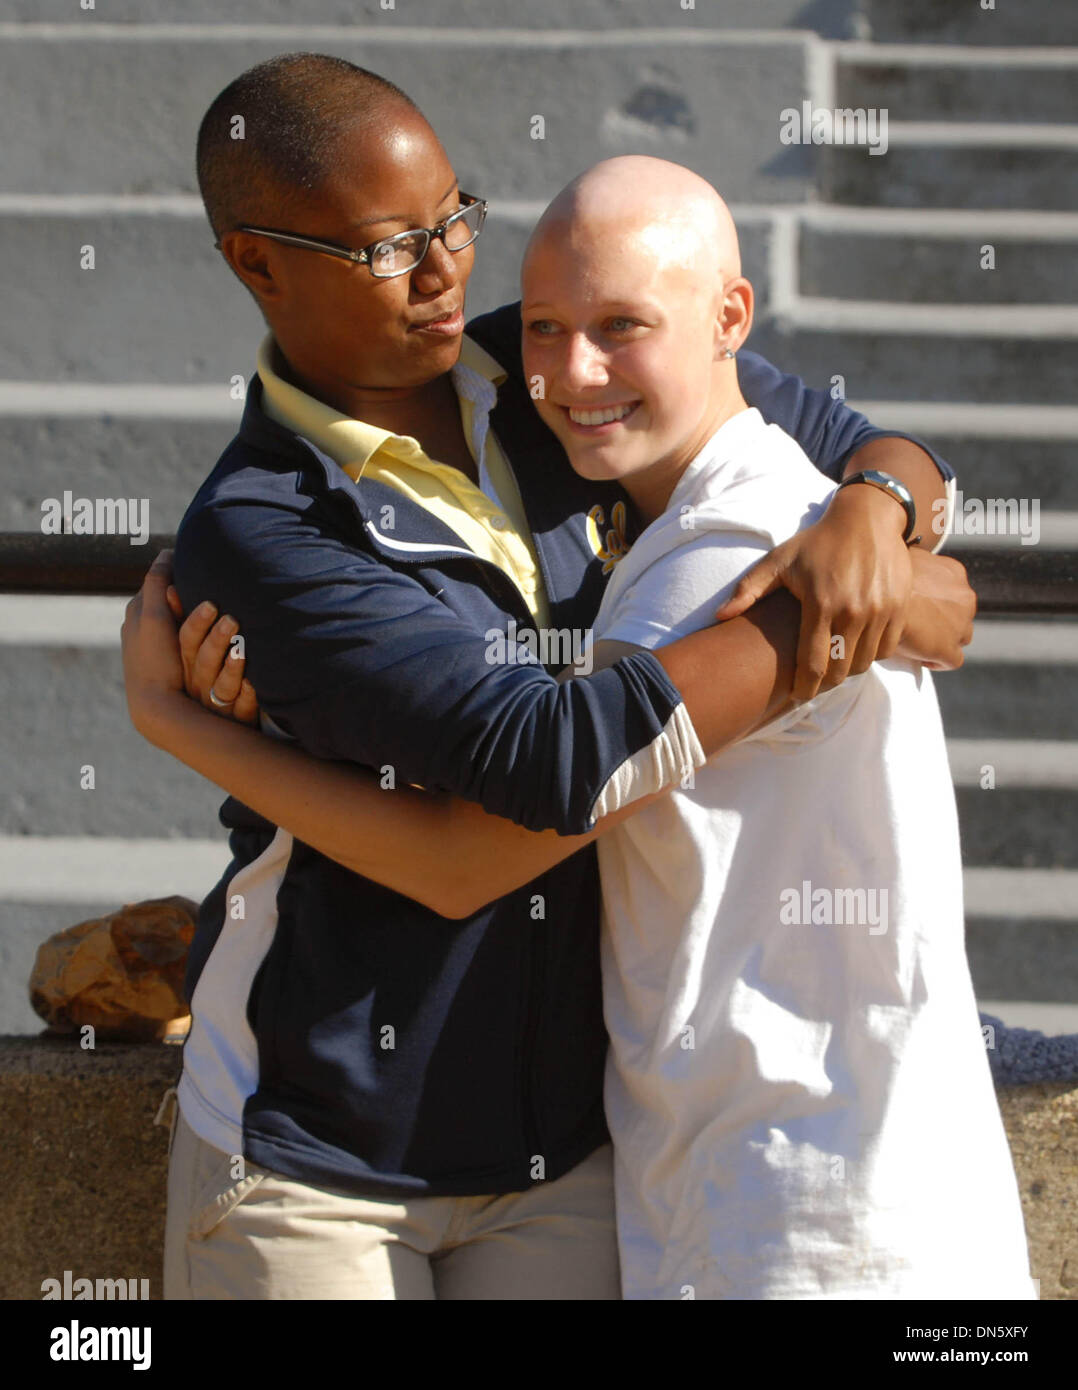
395, 255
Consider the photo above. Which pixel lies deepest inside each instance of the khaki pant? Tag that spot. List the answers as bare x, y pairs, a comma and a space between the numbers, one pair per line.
261, 1235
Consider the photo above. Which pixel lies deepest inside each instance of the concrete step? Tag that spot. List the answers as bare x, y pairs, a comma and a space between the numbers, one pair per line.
162, 305
1015, 955
1017, 797
159, 303
1005, 708
990, 700
1023, 828
1041, 468
1024, 642
112, 869
997, 450
1023, 957
831, 18
917, 83
899, 353
1052, 1020
104, 869
1021, 929
1015, 764
957, 166
160, 443
1003, 894
995, 23
665, 91
902, 260
66, 711
153, 455
1008, 523
76, 869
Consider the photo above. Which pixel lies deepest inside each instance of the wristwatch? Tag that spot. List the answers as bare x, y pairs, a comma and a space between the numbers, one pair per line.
899, 491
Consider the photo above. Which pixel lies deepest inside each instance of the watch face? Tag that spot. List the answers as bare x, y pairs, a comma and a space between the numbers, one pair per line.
898, 491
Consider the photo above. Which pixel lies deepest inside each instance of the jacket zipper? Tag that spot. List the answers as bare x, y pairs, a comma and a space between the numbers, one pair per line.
536, 949
535, 946
535, 958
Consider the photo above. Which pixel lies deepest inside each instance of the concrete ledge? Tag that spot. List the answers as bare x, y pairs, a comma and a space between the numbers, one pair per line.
82, 1169
1042, 1125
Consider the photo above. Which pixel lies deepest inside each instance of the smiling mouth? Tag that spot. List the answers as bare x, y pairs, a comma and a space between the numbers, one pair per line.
601, 415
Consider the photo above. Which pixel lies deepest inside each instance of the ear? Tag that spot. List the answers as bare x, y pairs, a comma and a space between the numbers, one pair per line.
252, 260
735, 316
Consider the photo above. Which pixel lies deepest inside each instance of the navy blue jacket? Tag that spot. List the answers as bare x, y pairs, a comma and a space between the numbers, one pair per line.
368, 645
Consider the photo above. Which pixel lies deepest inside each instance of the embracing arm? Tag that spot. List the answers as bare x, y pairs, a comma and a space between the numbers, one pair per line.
852, 571
443, 851
841, 441
362, 664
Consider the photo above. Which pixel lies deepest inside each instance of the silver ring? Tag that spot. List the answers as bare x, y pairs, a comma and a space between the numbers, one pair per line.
216, 700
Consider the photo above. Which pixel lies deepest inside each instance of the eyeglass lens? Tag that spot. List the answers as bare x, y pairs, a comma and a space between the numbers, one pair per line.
402, 252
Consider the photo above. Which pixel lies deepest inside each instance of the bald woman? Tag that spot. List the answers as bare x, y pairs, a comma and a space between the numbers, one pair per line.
797, 1088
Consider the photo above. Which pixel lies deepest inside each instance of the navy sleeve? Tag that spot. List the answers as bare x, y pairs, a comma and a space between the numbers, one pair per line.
827, 430
361, 663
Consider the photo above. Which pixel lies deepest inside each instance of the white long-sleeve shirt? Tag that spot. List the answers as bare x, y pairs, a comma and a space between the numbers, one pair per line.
797, 1087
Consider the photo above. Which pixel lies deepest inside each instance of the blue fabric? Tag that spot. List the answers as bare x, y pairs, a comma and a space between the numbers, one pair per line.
1020, 1056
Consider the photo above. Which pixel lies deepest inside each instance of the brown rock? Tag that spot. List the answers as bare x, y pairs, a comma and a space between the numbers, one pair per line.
121, 974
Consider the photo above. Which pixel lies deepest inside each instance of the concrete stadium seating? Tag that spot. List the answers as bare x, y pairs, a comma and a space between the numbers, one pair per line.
114, 381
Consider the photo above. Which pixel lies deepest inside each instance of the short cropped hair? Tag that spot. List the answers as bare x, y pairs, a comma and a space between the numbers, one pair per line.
272, 134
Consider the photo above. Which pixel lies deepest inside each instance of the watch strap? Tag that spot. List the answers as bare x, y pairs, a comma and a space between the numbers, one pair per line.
898, 490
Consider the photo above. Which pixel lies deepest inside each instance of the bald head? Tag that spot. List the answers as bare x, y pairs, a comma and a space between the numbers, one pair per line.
636, 205
274, 134
633, 306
